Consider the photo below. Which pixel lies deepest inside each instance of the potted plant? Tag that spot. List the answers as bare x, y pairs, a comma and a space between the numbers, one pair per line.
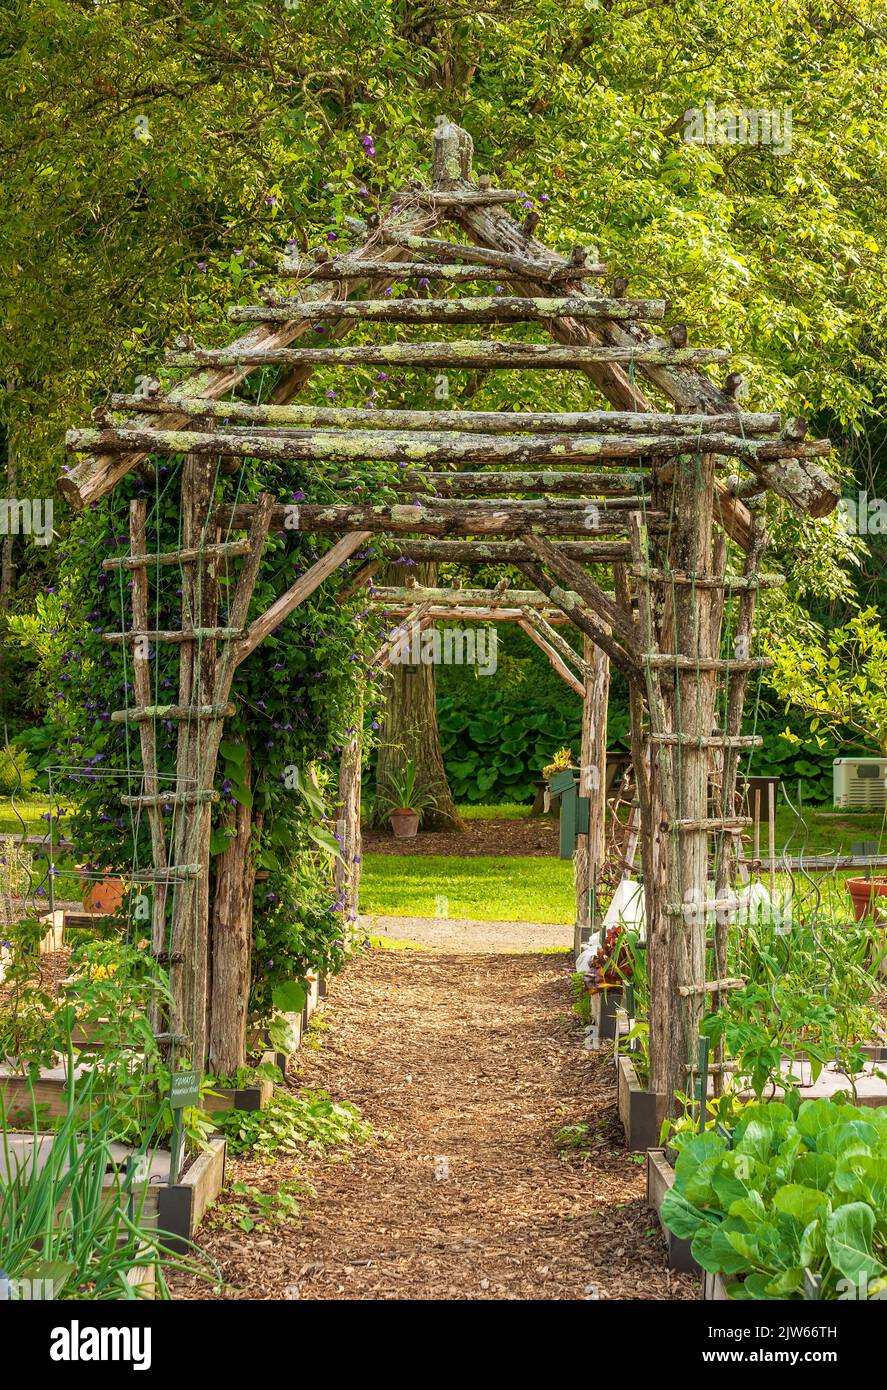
404, 803
840, 679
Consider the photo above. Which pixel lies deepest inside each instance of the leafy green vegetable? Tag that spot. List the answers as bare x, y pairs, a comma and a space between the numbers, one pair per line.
786, 1194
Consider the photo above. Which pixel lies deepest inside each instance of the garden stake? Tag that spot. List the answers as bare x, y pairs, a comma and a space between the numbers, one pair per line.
703, 1081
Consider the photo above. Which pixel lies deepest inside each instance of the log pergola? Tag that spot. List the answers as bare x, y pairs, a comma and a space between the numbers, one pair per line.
651, 494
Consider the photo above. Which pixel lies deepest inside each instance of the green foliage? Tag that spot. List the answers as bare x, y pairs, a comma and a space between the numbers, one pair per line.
496, 744
294, 1123
794, 1192
17, 777
250, 1209
808, 995
839, 677
64, 1222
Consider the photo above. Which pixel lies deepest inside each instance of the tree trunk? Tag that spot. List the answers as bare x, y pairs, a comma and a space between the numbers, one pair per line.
232, 943
7, 563
409, 729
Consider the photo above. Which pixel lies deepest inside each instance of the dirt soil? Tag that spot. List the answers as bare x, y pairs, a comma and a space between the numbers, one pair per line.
467, 1066
535, 836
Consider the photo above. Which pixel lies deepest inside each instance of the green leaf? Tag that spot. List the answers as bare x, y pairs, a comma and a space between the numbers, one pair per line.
324, 839
848, 1239
289, 997
233, 752
680, 1217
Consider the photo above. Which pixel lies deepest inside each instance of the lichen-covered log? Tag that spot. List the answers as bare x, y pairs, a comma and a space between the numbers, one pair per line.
553, 267
425, 446
442, 517
478, 354
503, 552
580, 616
747, 424
478, 309
346, 269
390, 594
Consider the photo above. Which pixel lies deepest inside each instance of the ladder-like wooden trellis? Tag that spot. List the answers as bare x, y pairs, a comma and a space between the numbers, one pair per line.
637, 489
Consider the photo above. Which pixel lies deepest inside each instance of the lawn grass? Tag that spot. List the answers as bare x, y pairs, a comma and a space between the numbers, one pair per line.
484, 888
506, 811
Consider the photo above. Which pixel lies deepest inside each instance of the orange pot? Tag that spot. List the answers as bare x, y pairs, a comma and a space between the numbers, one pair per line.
866, 893
102, 896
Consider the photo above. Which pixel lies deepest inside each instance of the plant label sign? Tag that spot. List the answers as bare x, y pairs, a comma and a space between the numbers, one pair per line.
184, 1089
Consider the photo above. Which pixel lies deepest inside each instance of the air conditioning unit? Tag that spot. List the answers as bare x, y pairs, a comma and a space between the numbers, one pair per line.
860, 782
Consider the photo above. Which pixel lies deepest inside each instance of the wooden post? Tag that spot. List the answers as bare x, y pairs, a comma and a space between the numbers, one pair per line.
591, 848
232, 941
347, 869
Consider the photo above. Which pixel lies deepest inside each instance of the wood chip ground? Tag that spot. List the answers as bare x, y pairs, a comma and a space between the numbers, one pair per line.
467, 1066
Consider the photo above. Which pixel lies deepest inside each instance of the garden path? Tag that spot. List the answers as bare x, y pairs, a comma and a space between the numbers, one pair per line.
467, 1066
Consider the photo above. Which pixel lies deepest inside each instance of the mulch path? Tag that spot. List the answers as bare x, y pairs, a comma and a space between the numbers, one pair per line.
466, 1066
535, 836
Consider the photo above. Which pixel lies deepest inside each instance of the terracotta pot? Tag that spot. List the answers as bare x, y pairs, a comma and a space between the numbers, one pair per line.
103, 896
865, 892
404, 824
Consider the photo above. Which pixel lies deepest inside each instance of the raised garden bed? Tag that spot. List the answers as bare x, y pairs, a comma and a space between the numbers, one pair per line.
714, 1289
604, 1006
176, 1209
660, 1177
641, 1111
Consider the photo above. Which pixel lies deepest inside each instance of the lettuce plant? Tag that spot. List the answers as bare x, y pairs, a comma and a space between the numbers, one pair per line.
795, 1193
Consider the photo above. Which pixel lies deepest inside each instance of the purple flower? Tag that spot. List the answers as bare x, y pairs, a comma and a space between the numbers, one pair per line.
271, 201
201, 266
381, 376
332, 236
424, 282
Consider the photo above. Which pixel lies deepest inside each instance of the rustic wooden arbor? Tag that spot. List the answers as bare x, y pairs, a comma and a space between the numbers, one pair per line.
653, 494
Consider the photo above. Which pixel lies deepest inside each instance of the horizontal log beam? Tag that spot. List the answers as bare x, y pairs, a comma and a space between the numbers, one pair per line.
495, 484
741, 583
388, 594
204, 554
436, 249
504, 552
651, 423
442, 517
476, 354
194, 634
432, 198
345, 269
478, 309
454, 613
348, 445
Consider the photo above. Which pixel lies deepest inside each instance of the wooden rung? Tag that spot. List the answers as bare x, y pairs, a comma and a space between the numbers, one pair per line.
710, 987
523, 266
661, 660
177, 557
709, 581
172, 873
172, 798
709, 740
142, 712
194, 634
500, 308
727, 904
734, 824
